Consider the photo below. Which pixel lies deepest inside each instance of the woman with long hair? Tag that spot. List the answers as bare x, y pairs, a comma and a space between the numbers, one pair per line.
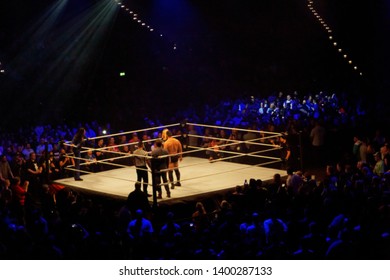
78, 142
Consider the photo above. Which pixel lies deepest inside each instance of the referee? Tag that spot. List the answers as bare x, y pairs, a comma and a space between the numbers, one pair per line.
141, 166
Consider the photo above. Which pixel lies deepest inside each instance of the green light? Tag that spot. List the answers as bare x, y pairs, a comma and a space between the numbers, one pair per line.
122, 74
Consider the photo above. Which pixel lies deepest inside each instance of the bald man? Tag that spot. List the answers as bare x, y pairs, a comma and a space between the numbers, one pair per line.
175, 150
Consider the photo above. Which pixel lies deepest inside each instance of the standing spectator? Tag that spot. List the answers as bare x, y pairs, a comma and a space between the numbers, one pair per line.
170, 229
137, 199
5, 170
5, 197
200, 218
53, 168
17, 165
19, 198
285, 152
27, 151
140, 233
317, 136
33, 174
379, 168
385, 154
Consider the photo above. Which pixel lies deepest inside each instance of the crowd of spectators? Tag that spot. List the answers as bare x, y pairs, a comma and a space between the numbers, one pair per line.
345, 215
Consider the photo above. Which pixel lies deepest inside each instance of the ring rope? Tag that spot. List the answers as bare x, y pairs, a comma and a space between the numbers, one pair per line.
134, 131
237, 154
230, 128
233, 154
236, 142
195, 149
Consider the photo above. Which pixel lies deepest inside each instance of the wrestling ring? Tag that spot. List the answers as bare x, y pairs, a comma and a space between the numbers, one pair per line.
211, 161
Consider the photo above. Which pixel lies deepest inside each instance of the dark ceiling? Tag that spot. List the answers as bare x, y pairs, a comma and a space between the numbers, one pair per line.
67, 67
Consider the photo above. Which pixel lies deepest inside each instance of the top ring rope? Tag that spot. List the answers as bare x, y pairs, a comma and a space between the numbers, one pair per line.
127, 132
234, 128
135, 131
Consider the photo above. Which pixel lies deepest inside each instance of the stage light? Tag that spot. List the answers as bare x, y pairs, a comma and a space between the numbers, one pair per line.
310, 5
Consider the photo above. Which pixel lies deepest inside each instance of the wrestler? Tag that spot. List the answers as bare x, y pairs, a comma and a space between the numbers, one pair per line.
175, 150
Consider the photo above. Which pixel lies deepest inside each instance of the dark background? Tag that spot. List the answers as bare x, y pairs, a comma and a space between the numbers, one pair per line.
66, 69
